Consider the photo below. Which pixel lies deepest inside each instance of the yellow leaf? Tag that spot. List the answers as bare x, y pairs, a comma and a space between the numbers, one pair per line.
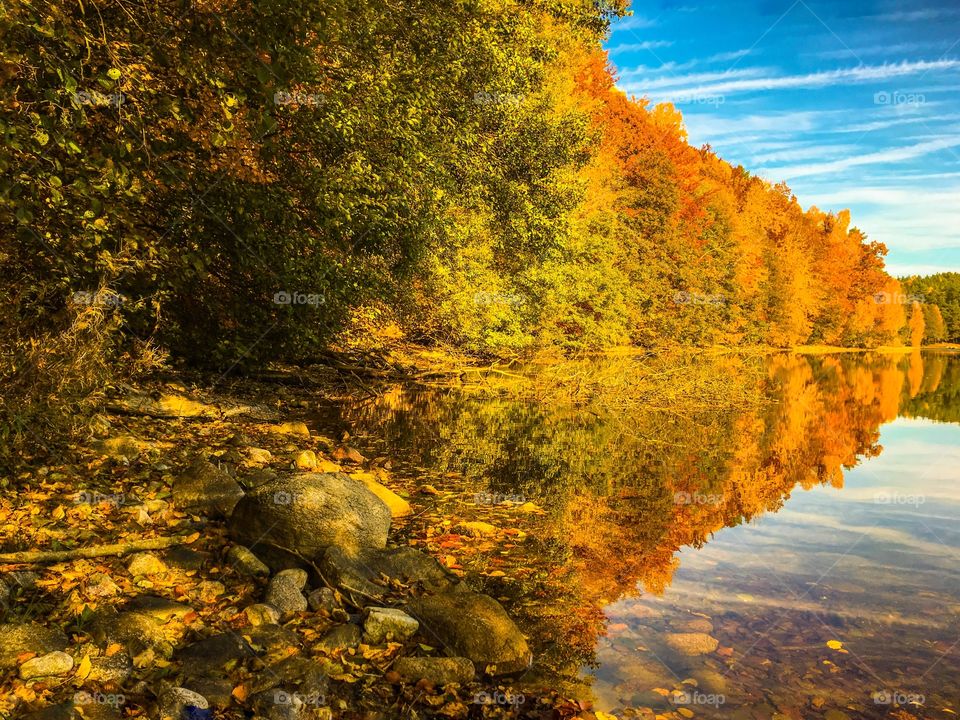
605, 716
686, 712
661, 691
834, 644
83, 669
192, 538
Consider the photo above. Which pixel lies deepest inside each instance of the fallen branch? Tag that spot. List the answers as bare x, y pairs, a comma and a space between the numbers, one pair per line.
93, 551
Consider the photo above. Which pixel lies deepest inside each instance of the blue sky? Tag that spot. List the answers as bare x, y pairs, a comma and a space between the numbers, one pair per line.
853, 104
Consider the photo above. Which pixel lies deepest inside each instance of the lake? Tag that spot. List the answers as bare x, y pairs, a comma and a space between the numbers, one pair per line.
791, 552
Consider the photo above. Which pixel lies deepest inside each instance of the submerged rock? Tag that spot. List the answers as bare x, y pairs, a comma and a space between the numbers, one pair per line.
693, 643
204, 488
365, 571
475, 626
439, 671
19, 638
308, 513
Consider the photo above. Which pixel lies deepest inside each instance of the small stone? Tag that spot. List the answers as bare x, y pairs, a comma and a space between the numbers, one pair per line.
262, 614
291, 428
691, 644
145, 563
382, 624
342, 637
323, 600
349, 454
243, 560
100, 585
477, 529
209, 590
295, 576
284, 592
174, 701
258, 456
49, 665
439, 671
398, 506
306, 460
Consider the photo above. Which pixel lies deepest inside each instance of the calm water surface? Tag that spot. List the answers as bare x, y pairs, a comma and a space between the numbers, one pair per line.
798, 556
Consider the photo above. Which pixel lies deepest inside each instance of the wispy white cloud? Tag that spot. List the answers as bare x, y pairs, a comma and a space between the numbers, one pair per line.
890, 155
634, 22
738, 81
876, 50
640, 46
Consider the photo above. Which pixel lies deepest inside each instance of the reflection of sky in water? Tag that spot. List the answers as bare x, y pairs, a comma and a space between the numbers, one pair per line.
876, 564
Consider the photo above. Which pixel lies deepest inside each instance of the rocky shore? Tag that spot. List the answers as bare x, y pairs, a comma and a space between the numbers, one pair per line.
284, 593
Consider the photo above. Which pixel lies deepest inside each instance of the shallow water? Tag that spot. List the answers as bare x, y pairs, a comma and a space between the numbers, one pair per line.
806, 545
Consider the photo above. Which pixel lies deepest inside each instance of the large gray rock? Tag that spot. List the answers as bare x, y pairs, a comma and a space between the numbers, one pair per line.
206, 489
308, 513
474, 626
19, 638
437, 670
370, 571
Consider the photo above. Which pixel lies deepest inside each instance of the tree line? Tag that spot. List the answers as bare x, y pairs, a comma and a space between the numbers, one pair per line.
227, 183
